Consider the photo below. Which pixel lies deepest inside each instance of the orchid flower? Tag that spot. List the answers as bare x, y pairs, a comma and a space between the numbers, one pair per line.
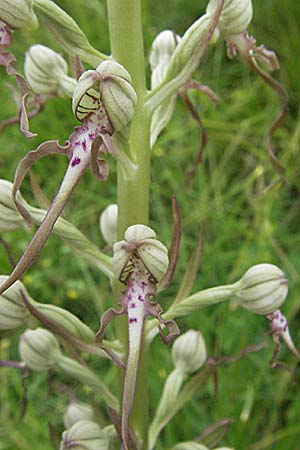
100, 119
140, 262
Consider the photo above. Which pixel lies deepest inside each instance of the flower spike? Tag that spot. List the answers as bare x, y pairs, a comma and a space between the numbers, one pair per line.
140, 262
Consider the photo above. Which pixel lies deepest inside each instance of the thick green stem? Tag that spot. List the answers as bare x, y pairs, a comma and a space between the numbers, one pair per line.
127, 48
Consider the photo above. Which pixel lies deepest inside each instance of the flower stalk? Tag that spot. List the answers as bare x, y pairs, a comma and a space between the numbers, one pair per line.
126, 39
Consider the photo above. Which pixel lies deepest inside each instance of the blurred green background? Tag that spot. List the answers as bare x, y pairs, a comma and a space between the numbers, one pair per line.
243, 226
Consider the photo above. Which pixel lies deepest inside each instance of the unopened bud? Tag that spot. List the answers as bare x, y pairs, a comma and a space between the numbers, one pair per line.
108, 88
39, 349
10, 219
85, 435
190, 445
77, 411
262, 289
13, 313
46, 72
235, 16
161, 53
189, 351
108, 224
18, 13
140, 242
162, 50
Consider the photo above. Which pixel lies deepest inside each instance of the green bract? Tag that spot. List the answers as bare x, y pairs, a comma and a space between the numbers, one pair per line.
66, 31
18, 13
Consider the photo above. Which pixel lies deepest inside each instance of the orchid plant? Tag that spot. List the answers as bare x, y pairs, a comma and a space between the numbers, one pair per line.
121, 118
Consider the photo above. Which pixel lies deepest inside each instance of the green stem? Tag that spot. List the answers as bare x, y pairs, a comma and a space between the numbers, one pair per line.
127, 48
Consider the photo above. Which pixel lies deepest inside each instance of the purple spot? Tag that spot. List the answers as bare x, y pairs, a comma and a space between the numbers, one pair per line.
143, 285
91, 136
132, 290
140, 298
84, 145
75, 161
129, 297
132, 305
132, 320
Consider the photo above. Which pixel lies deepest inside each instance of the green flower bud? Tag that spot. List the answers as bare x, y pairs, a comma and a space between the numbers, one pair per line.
77, 411
161, 53
39, 349
189, 351
66, 31
140, 242
108, 224
18, 13
13, 313
190, 445
108, 88
235, 16
10, 219
84, 435
46, 72
262, 289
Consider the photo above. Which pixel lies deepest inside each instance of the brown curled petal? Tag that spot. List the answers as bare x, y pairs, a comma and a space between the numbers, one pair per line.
174, 247
46, 148
107, 140
103, 169
110, 314
99, 167
7, 60
206, 90
277, 122
154, 309
24, 122
203, 140
172, 329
